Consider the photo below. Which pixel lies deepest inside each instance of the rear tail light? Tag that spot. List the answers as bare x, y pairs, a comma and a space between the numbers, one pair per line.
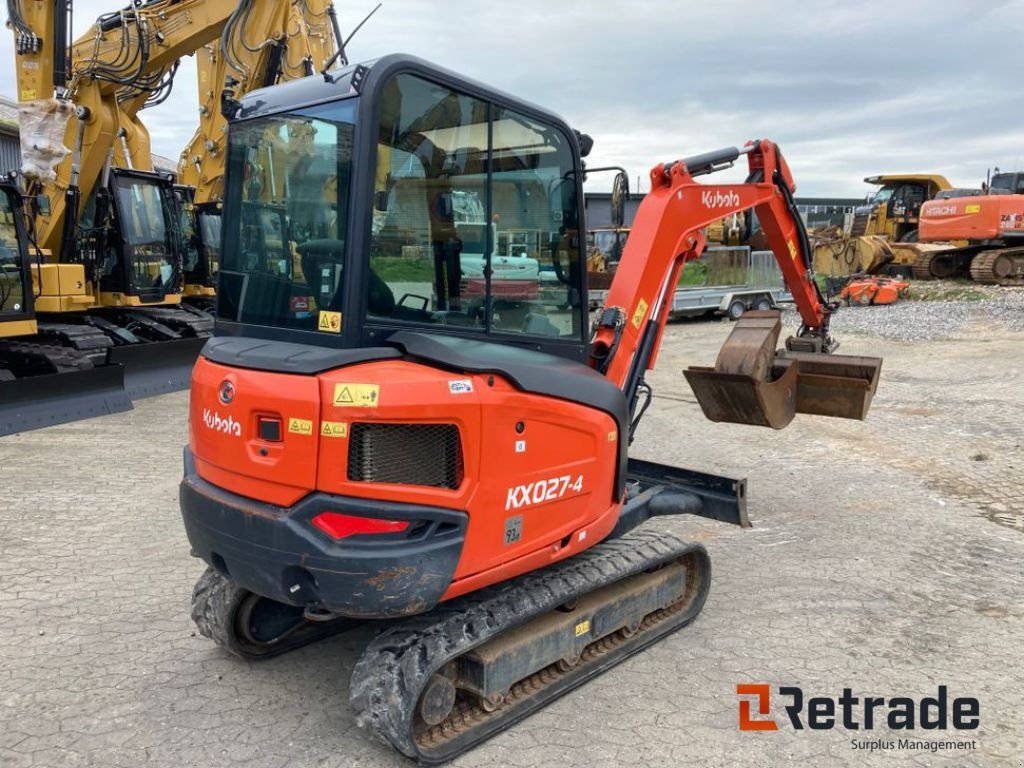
339, 526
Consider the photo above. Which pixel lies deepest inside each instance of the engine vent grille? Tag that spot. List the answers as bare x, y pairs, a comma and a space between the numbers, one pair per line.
860, 224
410, 454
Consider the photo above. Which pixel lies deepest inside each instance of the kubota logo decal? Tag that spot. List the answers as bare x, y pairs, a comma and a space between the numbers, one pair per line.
542, 490
717, 199
217, 423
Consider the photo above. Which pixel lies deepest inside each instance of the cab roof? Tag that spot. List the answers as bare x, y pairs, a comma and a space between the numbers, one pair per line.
889, 178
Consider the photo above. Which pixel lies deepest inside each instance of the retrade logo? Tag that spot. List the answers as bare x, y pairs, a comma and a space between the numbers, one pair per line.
227, 392
854, 713
763, 694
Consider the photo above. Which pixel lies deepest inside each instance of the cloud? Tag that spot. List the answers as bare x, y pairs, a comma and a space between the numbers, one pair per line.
846, 89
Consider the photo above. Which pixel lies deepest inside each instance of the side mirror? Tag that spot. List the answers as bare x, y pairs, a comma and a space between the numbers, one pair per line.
620, 194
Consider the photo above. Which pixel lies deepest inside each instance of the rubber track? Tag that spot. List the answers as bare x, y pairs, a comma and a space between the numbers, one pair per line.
922, 266
983, 267
82, 337
27, 358
389, 677
183, 321
215, 604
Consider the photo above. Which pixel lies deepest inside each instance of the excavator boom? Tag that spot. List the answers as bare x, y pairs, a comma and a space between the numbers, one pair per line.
748, 384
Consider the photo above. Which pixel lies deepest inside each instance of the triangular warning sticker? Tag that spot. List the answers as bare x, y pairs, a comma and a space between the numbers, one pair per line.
344, 396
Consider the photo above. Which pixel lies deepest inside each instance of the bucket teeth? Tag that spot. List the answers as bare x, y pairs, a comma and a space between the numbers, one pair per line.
750, 384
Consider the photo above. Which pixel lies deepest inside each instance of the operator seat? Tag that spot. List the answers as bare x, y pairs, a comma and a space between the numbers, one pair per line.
315, 254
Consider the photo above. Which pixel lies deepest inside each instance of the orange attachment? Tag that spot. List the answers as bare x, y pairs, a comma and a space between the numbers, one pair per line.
873, 289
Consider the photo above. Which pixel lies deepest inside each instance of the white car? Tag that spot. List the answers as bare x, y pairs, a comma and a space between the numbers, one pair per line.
520, 267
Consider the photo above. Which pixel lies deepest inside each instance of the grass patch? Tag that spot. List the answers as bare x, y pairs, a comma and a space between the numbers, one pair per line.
694, 273
946, 290
402, 269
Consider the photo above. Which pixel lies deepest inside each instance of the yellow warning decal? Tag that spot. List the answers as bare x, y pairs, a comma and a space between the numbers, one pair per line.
334, 429
300, 426
329, 321
356, 395
582, 628
28, 94
611, 436
972, 209
639, 314
792, 249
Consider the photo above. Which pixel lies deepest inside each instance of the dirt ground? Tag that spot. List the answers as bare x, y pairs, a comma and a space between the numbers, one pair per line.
885, 557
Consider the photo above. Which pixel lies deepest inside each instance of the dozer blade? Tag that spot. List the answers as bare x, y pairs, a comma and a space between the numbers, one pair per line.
34, 402
750, 385
158, 367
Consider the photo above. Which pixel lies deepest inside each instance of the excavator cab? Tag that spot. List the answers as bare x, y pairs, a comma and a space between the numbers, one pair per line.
16, 295
132, 229
199, 224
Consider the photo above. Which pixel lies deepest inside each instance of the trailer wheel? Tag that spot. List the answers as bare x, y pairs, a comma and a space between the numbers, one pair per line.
736, 309
763, 304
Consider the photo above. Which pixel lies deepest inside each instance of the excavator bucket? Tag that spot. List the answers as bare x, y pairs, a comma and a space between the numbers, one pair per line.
750, 384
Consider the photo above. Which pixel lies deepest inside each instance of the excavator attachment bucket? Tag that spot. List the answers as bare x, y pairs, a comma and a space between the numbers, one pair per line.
751, 385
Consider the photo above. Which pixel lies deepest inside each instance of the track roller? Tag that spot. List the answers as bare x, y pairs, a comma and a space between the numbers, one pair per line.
999, 266
934, 266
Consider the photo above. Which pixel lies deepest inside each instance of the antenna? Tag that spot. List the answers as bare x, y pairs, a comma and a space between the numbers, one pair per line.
339, 55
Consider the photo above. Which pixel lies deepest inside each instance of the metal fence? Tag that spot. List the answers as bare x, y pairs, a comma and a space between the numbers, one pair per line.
738, 266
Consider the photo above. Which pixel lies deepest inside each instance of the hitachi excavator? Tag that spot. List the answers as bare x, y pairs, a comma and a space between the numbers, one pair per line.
370, 440
979, 236
264, 43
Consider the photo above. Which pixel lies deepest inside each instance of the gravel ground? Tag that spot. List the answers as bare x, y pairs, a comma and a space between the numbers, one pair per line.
934, 319
885, 556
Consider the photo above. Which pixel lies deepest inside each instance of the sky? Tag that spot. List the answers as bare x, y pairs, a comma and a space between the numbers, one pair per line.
846, 88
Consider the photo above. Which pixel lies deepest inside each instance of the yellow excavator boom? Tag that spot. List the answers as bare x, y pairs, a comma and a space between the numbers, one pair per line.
265, 43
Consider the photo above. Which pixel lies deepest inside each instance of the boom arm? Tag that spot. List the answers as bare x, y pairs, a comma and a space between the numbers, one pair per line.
121, 51
746, 385
264, 42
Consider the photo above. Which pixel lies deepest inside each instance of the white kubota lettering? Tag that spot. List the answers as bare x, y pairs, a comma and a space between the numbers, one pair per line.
217, 423
716, 199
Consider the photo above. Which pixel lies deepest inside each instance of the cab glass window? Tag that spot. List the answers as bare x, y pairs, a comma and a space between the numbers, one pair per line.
474, 220
12, 284
286, 214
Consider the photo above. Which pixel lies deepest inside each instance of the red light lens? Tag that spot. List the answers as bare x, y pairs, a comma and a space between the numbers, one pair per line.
339, 526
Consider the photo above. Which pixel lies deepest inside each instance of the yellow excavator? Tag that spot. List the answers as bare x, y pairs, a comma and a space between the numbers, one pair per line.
883, 234
91, 275
264, 43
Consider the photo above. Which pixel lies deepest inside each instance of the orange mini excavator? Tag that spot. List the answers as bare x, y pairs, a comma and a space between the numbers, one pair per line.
371, 440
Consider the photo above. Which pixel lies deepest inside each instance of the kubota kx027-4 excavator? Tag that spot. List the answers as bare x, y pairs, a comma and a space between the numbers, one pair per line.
379, 439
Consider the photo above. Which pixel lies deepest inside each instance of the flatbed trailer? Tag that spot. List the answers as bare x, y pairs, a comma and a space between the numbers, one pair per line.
737, 279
